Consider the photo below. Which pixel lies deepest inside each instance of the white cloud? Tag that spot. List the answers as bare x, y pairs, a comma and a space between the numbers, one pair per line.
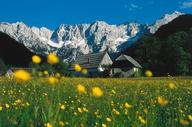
133, 7
186, 4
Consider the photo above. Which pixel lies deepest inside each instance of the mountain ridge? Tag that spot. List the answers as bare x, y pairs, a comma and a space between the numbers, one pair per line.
67, 41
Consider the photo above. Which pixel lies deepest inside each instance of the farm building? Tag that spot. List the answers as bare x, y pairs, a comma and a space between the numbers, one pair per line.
124, 66
95, 63
98, 64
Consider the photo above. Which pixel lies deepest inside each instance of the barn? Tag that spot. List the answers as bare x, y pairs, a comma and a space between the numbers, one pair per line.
96, 63
124, 66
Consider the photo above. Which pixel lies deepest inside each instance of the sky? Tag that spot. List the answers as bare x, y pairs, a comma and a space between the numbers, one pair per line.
52, 13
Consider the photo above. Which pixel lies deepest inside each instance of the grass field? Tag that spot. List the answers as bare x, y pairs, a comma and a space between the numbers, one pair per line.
137, 102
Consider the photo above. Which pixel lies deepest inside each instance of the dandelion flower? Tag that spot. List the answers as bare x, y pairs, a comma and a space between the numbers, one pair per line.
22, 75
162, 101
84, 71
190, 117
18, 101
97, 92
127, 105
36, 59
116, 112
58, 75
52, 80
142, 120
85, 109
104, 125
52, 59
108, 119
172, 86
183, 122
61, 124
45, 72
7, 106
81, 89
1, 108
62, 107
27, 104
148, 73
80, 110
113, 91
77, 68
145, 111
48, 125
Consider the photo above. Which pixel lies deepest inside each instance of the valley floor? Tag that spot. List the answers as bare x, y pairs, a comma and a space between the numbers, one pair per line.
96, 102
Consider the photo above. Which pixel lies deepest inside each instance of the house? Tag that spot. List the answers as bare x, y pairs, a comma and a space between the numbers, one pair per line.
124, 66
102, 63
95, 63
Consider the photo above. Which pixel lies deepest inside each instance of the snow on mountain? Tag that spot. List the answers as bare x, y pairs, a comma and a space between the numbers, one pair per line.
166, 19
67, 41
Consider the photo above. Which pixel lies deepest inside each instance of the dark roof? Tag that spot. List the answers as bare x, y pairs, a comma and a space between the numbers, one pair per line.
90, 60
114, 56
18, 68
125, 61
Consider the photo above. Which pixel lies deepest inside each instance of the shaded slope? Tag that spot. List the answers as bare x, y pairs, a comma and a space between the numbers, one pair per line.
13, 53
182, 23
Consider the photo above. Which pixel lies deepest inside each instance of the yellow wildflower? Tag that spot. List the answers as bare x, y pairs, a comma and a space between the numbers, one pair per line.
62, 107
127, 105
80, 110
52, 80
48, 125
77, 68
190, 117
148, 73
1, 108
36, 59
113, 91
162, 101
58, 75
183, 122
22, 75
7, 106
172, 86
84, 71
46, 72
61, 124
116, 112
27, 104
145, 111
81, 89
142, 120
81, 125
108, 119
97, 92
85, 109
18, 101
52, 59
104, 125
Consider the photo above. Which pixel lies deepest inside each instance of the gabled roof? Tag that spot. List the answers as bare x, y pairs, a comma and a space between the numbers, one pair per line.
130, 59
90, 60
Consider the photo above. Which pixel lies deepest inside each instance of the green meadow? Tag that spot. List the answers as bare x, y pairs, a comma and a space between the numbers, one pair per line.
124, 102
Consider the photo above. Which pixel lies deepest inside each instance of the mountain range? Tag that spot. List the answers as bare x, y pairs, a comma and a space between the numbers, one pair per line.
67, 41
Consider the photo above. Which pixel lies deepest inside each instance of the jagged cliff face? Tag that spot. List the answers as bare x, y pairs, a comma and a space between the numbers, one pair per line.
70, 40
167, 18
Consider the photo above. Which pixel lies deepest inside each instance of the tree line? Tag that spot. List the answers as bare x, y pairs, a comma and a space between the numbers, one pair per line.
165, 56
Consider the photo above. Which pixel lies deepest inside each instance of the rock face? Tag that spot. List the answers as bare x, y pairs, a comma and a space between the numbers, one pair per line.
67, 41
167, 18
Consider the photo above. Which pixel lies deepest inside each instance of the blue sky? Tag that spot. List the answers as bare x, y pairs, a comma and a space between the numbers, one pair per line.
52, 13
